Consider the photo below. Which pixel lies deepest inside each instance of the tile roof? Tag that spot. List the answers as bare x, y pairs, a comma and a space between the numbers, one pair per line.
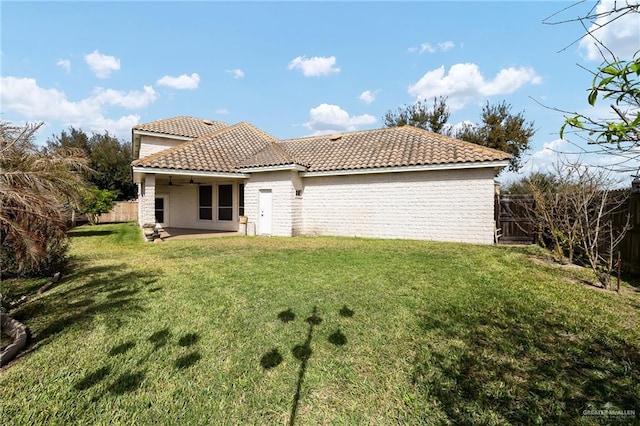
190, 127
388, 147
241, 146
272, 155
221, 151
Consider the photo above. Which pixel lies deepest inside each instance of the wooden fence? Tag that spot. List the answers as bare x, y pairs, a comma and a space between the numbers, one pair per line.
512, 220
630, 246
123, 211
515, 227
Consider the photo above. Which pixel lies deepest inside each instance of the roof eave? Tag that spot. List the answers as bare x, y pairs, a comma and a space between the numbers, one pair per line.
162, 135
496, 165
180, 172
277, 168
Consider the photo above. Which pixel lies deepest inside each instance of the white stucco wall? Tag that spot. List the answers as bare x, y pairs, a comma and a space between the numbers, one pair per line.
283, 192
432, 205
152, 144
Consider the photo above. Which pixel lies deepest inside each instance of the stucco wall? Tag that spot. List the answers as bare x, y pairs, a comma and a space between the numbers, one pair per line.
152, 144
432, 205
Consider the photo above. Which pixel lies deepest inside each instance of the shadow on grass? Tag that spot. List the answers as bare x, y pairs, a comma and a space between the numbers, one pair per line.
302, 352
127, 382
104, 290
286, 316
189, 339
92, 378
122, 348
160, 338
90, 233
271, 359
131, 380
633, 280
517, 366
187, 360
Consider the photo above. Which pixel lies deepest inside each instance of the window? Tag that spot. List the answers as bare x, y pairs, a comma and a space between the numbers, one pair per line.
159, 209
225, 202
205, 202
241, 199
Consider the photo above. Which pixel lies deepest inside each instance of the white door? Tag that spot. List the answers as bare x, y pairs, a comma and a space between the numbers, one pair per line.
265, 211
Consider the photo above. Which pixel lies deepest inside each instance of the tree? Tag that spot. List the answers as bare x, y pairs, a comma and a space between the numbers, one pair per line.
577, 211
111, 159
546, 181
108, 157
75, 138
96, 202
500, 129
618, 81
615, 79
418, 115
37, 192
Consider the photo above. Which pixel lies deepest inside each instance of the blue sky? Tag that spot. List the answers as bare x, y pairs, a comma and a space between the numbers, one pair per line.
295, 68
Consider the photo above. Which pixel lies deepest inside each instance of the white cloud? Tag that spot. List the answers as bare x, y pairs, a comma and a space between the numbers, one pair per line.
222, 111
428, 48
509, 80
465, 83
620, 35
183, 81
129, 100
446, 45
65, 64
102, 65
315, 66
368, 96
25, 97
327, 118
236, 73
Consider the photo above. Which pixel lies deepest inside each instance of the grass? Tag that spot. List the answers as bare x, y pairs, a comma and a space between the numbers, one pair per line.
246, 330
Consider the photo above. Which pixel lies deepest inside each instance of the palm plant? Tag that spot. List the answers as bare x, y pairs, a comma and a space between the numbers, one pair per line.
37, 192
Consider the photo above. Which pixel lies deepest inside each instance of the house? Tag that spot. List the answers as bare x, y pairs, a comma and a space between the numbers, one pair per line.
400, 182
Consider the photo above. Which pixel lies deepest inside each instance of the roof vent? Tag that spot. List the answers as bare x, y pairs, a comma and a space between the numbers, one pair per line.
208, 122
335, 137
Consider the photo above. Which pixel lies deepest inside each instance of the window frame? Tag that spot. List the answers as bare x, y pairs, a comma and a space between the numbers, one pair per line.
204, 208
241, 199
226, 208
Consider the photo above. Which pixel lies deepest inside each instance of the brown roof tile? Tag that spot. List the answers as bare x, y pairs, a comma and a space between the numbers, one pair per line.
191, 127
388, 147
217, 152
272, 155
232, 148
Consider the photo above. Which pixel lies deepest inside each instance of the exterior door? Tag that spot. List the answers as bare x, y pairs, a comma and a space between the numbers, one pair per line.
265, 211
162, 210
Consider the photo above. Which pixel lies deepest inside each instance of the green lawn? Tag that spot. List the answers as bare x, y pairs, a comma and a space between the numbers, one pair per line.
251, 330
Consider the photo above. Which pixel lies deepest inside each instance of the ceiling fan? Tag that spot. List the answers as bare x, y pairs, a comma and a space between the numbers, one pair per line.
171, 182
192, 182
